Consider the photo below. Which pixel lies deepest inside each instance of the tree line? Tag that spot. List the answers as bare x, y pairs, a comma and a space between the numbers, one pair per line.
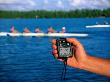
88, 13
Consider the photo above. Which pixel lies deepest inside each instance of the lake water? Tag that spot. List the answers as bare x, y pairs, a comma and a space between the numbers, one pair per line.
29, 59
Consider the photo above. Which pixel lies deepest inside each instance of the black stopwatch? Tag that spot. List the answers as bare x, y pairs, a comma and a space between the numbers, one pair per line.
64, 48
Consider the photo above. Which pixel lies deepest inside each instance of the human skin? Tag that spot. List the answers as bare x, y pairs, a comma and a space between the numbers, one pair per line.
84, 61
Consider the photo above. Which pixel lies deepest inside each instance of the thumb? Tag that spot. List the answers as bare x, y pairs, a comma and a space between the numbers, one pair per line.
74, 41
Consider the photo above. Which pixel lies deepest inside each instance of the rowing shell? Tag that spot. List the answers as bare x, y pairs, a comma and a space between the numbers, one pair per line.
43, 34
99, 26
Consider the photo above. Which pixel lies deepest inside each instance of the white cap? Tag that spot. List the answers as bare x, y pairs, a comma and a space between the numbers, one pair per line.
63, 28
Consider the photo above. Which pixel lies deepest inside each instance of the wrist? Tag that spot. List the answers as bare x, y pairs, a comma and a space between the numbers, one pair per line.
85, 62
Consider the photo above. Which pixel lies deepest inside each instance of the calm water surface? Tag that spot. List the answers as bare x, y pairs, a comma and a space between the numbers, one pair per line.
29, 59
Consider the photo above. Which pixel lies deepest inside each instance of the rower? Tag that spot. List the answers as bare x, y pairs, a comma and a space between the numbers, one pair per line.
63, 30
37, 30
26, 30
13, 30
51, 30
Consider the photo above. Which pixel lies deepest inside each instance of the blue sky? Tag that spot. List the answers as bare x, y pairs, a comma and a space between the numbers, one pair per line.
53, 4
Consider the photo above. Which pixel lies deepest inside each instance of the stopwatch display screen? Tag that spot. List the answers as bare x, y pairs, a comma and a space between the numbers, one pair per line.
65, 52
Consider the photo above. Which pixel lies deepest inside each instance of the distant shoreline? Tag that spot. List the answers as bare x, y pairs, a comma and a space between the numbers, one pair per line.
84, 13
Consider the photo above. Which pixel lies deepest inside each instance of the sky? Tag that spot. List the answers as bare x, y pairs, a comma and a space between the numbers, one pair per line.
27, 5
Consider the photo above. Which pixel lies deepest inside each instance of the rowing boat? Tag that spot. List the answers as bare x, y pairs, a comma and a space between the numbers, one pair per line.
98, 26
43, 34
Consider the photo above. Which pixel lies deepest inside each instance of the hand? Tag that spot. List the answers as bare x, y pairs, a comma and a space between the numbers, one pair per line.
83, 61
79, 57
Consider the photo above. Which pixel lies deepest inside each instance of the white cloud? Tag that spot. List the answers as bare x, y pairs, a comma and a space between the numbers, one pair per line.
104, 3
28, 2
89, 3
78, 2
60, 4
31, 2
46, 2
18, 5
8, 1
53, 4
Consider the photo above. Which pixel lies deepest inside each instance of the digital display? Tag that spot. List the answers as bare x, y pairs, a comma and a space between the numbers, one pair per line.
65, 52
